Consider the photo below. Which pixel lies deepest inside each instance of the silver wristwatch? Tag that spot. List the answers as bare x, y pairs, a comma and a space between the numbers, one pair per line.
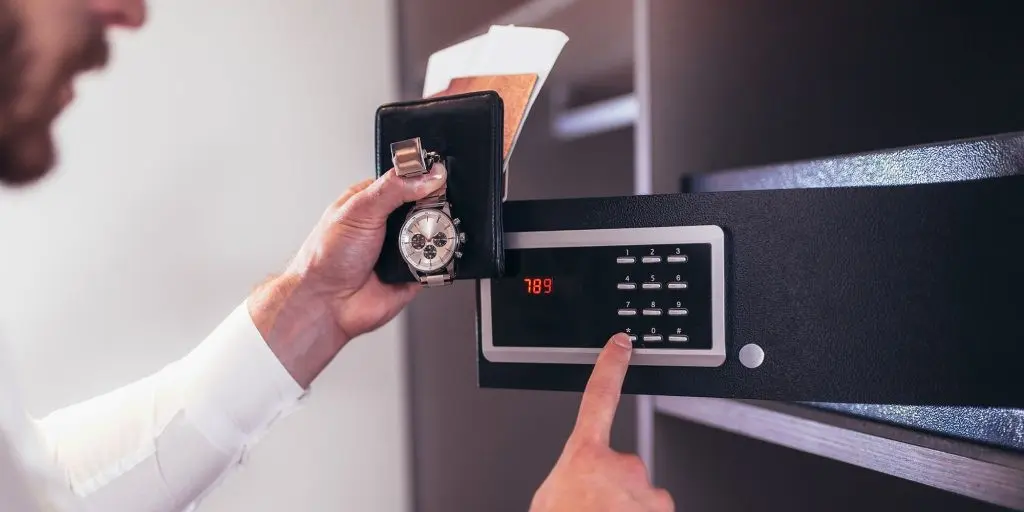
430, 240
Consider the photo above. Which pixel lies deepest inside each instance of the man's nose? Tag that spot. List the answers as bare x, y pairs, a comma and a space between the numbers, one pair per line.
120, 13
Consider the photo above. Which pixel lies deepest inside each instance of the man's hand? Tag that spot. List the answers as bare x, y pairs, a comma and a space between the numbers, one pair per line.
590, 476
329, 293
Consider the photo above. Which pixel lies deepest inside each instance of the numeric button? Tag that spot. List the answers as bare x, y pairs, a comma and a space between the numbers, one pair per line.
627, 312
626, 286
651, 259
678, 312
651, 286
677, 258
625, 260
678, 285
652, 338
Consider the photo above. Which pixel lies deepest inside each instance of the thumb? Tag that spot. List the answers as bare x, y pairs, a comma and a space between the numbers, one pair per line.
601, 397
383, 196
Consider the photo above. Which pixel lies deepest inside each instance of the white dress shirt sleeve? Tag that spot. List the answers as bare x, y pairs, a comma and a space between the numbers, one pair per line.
162, 443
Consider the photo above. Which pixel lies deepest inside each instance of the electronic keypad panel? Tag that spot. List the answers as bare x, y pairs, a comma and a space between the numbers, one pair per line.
567, 292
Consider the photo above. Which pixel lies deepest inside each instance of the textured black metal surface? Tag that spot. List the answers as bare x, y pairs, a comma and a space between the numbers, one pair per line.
904, 294
982, 157
952, 161
998, 427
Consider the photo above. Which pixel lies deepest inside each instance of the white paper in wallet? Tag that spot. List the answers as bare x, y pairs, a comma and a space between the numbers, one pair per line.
503, 50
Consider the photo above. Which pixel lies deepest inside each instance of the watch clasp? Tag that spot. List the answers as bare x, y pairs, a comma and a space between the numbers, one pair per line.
409, 159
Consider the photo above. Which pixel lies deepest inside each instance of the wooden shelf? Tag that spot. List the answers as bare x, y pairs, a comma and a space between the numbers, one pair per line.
972, 470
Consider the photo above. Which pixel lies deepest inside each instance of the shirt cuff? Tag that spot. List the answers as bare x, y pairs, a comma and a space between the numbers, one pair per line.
233, 386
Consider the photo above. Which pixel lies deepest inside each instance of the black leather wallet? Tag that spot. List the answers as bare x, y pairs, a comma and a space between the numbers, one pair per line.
467, 132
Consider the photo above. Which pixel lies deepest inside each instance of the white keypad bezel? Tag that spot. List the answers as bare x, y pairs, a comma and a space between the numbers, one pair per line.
712, 357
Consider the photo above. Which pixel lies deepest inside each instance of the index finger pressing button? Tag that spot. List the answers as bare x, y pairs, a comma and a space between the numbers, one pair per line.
601, 397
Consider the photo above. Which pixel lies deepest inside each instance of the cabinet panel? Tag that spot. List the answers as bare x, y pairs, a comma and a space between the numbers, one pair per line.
738, 83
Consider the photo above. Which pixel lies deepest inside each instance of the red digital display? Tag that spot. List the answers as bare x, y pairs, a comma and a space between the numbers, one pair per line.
539, 285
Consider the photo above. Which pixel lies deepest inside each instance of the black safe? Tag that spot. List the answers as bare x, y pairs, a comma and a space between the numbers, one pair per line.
892, 277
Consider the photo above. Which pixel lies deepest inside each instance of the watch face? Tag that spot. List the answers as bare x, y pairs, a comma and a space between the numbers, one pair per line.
428, 240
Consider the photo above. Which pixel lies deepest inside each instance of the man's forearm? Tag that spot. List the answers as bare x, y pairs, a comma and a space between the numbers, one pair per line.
297, 325
162, 442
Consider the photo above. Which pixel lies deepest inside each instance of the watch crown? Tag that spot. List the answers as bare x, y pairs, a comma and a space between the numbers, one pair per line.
458, 254
462, 238
456, 222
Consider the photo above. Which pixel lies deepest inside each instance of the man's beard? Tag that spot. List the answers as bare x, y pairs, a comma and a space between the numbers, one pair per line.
27, 149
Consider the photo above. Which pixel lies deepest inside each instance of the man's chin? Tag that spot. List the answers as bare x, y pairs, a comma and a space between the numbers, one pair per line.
25, 161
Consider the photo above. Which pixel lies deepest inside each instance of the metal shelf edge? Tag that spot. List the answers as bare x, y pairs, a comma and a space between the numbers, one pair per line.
595, 118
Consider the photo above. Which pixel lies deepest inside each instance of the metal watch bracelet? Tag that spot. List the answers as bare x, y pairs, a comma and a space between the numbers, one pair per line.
410, 160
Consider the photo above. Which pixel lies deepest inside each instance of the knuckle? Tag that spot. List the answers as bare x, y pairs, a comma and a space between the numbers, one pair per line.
335, 213
349, 193
663, 501
578, 446
358, 187
390, 178
391, 183
356, 218
330, 214
377, 191
634, 466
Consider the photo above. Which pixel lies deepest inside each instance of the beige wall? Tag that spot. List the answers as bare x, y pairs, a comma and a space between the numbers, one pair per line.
191, 169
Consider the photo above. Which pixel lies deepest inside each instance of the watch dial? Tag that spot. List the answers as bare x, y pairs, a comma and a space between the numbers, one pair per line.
425, 240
